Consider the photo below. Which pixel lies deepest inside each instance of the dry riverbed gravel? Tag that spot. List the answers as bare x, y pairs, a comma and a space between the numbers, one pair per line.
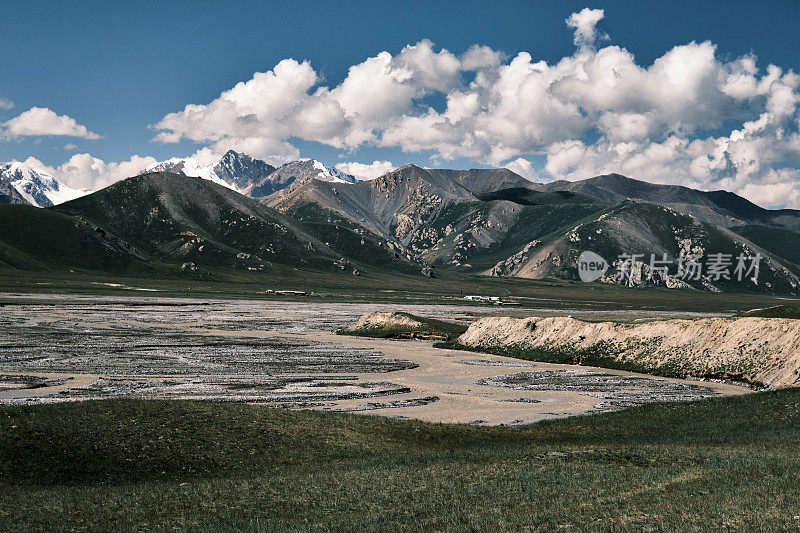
285, 354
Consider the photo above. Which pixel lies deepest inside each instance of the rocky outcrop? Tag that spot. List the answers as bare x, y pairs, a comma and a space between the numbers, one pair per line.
758, 351
509, 266
383, 320
403, 326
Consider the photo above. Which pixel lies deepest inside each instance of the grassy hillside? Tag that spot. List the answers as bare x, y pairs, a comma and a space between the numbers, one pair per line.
177, 218
783, 243
154, 224
778, 311
123, 465
38, 239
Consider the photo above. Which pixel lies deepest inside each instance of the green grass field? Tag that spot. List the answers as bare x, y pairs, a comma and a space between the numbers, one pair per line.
730, 463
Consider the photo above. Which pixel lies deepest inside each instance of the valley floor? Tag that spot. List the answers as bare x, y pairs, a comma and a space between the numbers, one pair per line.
284, 354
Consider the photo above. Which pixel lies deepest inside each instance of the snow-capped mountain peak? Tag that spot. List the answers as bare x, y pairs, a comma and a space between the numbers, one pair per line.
22, 183
325, 173
34, 185
234, 170
189, 166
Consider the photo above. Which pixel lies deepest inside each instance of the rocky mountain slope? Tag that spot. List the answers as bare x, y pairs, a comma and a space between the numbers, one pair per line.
241, 170
499, 224
10, 195
234, 170
424, 210
23, 184
294, 172
659, 237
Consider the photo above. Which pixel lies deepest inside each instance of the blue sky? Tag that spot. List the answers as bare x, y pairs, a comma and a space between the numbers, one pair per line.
118, 68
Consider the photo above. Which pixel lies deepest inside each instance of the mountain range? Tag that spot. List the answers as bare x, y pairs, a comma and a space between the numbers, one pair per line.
21, 183
245, 215
252, 177
494, 222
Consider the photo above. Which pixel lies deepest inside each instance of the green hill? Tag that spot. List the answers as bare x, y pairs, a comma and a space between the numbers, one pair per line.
40, 239
783, 243
172, 223
778, 311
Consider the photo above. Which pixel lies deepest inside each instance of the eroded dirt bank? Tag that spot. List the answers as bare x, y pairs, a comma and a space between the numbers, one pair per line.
759, 351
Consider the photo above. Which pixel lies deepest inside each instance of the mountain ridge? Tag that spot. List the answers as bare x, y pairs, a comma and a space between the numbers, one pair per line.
258, 179
250, 176
720, 207
408, 220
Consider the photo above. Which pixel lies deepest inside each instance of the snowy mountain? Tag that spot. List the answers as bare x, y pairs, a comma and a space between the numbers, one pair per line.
189, 166
242, 170
21, 183
289, 174
250, 176
324, 173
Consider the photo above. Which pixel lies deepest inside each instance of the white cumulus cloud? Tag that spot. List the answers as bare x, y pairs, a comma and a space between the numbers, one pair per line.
5, 103
43, 121
585, 24
366, 171
84, 171
523, 167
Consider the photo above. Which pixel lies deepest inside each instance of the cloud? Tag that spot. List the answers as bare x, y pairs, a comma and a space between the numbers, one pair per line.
775, 194
5, 103
84, 171
70, 146
287, 101
41, 121
692, 116
480, 57
366, 171
523, 167
585, 24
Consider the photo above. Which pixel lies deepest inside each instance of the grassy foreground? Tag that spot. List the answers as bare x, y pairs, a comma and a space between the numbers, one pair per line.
128, 464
